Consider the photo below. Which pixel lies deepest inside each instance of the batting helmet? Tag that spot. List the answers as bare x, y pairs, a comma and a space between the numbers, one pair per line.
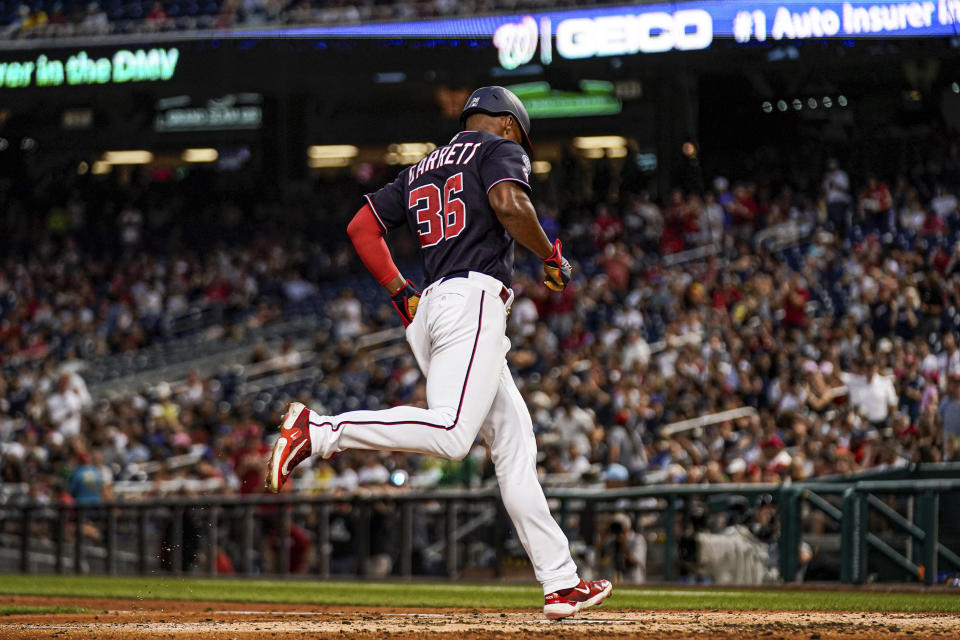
497, 101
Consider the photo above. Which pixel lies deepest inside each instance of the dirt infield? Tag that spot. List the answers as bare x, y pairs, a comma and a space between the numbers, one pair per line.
140, 619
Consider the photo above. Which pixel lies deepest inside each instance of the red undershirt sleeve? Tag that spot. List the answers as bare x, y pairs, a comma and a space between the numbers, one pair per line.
367, 236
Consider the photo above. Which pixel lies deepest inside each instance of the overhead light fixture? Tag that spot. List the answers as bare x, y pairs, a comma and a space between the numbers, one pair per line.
617, 152
319, 151
593, 154
83, 167
407, 152
410, 148
128, 157
200, 155
100, 168
599, 142
541, 167
328, 163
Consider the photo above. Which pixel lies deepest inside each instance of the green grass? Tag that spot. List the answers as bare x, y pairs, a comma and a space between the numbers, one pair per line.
26, 609
488, 595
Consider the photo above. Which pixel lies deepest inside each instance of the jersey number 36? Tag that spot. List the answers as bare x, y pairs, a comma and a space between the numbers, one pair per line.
439, 219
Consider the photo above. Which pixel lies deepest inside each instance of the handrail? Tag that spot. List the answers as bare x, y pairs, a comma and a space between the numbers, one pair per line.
702, 421
649, 491
379, 337
654, 491
783, 235
682, 257
913, 486
939, 469
662, 491
258, 500
857, 539
243, 511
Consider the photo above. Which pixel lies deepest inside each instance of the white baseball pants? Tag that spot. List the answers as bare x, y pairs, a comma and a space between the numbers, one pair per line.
457, 337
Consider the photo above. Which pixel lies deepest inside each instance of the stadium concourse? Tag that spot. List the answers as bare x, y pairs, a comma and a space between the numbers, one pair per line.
151, 331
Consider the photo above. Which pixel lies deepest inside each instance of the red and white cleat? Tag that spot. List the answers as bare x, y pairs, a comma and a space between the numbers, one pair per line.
567, 602
292, 447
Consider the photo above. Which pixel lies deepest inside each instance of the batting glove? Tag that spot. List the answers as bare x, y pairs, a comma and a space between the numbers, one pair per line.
556, 269
405, 301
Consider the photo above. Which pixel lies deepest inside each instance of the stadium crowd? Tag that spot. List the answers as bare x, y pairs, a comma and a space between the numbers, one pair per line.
831, 316
65, 18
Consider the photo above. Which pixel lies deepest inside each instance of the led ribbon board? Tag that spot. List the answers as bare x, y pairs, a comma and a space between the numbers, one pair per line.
652, 28
141, 65
595, 98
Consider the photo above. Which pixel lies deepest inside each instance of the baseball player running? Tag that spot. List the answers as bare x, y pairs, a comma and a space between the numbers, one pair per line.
466, 202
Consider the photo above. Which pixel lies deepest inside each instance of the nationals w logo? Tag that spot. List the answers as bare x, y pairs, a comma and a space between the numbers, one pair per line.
516, 42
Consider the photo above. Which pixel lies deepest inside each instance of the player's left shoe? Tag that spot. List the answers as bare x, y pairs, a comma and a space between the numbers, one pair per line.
292, 447
567, 602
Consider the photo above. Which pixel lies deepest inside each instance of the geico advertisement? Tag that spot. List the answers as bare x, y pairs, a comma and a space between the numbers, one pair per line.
693, 25
647, 32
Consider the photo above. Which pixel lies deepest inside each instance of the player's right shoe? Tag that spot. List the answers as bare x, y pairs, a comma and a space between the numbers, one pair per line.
567, 602
292, 447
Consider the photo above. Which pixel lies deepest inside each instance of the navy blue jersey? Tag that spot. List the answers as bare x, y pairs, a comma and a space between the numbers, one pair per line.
443, 200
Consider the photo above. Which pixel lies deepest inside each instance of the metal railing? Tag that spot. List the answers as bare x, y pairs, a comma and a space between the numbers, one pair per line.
853, 516
703, 421
459, 532
155, 532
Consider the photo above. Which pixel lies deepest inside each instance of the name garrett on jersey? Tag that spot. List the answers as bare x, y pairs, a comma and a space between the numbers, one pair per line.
456, 153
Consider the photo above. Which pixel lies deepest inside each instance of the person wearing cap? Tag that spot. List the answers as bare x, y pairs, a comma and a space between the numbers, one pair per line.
774, 454
86, 482
467, 205
737, 470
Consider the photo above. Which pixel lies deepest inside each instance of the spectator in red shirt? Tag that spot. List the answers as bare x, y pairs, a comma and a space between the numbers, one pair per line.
692, 223
558, 303
674, 221
157, 19
743, 210
725, 295
876, 206
250, 460
616, 265
58, 20
675, 214
933, 224
606, 227
795, 300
